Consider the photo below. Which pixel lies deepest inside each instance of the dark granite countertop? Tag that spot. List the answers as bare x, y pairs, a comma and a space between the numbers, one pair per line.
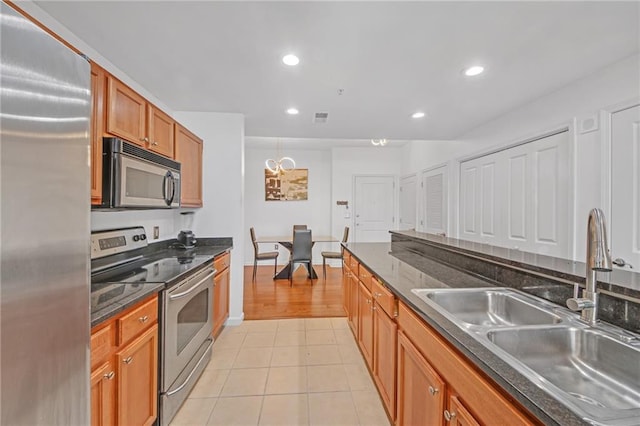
104, 309
398, 274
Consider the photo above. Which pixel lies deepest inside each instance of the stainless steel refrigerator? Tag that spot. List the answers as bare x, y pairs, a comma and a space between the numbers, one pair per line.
45, 107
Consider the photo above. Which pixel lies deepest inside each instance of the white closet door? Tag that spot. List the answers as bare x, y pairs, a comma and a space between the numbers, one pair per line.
519, 197
374, 208
625, 186
434, 199
408, 202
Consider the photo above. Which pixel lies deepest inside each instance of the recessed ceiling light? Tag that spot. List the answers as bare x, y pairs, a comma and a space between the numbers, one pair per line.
418, 114
474, 70
292, 111
290, 59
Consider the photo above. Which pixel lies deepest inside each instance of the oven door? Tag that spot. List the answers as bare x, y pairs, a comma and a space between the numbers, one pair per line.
144, 184
188, 322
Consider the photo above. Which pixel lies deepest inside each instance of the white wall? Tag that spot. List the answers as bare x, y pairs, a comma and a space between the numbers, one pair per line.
273, 218
223, 190
349, 162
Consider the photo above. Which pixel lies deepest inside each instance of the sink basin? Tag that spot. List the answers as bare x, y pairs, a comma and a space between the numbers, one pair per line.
489, 307
596, 373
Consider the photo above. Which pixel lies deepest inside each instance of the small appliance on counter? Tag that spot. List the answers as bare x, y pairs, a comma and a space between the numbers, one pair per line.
186, 239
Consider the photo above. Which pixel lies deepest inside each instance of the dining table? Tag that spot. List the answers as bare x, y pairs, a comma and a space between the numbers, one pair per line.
287, 242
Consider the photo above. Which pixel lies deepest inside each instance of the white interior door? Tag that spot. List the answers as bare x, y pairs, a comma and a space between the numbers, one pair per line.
408, 202
374, 208
625, 185
434, 195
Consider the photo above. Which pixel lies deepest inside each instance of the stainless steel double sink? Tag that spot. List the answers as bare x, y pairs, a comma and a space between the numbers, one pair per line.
595, 371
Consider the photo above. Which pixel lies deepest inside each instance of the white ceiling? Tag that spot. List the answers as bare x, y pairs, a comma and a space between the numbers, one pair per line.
391, 58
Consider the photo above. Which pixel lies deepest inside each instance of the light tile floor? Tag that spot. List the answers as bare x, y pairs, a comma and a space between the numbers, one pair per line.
285, 372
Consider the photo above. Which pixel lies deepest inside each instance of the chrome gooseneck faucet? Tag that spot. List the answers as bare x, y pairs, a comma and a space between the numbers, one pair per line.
598, 259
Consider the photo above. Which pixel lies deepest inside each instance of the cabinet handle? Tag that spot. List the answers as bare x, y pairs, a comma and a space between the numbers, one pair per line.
373, 308
449, 415
433, 390
145, 139
128, 360
155, 143
109, 376
144, 319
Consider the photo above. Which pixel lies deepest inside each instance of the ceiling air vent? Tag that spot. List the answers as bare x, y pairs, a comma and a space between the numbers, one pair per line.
320, 117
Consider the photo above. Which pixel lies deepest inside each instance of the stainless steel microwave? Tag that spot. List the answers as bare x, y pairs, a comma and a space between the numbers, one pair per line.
133, 177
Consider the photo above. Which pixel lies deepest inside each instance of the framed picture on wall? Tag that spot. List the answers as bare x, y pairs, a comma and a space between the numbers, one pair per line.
290, 185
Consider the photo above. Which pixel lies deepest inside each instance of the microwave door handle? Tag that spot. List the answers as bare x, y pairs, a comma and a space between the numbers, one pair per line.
172, 180
164, 187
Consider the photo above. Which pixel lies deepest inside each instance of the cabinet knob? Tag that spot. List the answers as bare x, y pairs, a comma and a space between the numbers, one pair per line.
109, 376
448, 415
145, 139
144, 319
433, 390
373, 308
128, 360
154, 143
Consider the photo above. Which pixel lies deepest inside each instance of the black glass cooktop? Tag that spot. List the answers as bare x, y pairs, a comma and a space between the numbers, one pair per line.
163, 270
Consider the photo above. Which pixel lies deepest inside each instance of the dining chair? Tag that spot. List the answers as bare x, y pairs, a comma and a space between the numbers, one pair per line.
333, 254
301, 252
257, 256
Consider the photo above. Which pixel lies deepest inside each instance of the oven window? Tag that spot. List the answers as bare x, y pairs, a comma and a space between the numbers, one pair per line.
191, 318
142, 184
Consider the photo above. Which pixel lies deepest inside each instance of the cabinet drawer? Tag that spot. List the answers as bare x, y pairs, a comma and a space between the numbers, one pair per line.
353, 264
365, 276
221, 262
103, 342
384, 298
138, 320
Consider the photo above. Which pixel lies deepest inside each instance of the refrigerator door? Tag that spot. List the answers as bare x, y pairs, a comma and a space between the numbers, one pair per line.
44, 227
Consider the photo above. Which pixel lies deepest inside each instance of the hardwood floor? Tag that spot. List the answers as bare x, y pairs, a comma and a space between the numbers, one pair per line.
267, 298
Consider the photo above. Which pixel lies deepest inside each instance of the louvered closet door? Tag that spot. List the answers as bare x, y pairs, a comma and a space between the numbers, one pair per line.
434, 199
519, 197
408, 202
625, 186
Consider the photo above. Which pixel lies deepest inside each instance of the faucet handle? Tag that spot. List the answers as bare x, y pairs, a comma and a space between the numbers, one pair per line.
622, 263
579, 303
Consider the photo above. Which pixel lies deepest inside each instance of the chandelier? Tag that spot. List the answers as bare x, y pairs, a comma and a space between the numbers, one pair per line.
284, 164
379, 142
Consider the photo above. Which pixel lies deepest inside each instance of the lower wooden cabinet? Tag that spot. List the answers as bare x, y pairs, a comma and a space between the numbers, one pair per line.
421, 391
138, 380
103, 391
221, 292
457, 414
124, 376
365, 323
384, 357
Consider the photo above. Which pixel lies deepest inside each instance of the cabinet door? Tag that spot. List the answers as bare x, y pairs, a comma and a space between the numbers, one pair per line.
189, 154
220, 300
138, 380
160, 132
345, 289
103, 387
126, 113
365, 324
98, 83
421, 393
458, 415
353, 300
384, 357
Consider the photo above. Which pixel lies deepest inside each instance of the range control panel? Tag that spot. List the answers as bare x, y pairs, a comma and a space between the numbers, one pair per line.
114, 241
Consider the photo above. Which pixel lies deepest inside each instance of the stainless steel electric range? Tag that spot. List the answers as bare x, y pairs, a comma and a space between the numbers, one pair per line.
121, 267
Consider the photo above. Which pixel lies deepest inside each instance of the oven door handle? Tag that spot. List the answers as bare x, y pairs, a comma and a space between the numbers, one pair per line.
184, 293
195, 368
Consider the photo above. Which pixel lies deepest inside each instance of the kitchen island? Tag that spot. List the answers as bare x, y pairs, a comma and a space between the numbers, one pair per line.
401, 271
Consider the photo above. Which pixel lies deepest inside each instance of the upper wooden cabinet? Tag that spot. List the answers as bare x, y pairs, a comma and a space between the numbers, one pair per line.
126, 113
189, 155
98, 89
131, 117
